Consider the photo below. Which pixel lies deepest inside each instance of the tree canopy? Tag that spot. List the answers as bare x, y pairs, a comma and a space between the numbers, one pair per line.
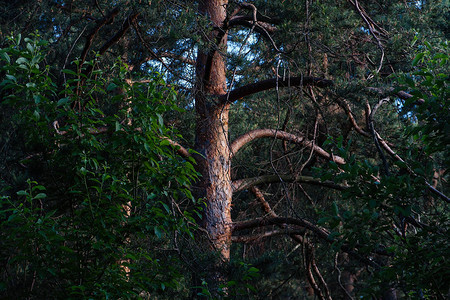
224, 149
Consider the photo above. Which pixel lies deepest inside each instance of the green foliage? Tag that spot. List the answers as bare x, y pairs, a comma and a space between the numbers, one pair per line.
108, 183
389, 217
429, 83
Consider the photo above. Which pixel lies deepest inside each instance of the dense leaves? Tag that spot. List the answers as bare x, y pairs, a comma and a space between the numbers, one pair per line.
108, 182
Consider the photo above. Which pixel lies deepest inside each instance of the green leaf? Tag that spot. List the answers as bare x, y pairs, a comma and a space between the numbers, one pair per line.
30, 47
37, 99
335, 209
40, 196
70, 72
157, 232
417, 59
63, 101
166, 208
111, 86
22, 193
36, 115
160, 120
21, 60
11, 77
5, 56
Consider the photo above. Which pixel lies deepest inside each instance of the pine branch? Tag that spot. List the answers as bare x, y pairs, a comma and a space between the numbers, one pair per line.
268, 84
246, 183
282, 135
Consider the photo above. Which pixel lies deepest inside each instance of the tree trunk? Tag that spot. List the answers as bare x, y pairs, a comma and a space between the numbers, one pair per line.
212, 131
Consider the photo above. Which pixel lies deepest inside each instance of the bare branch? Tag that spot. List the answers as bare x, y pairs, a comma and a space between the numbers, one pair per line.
259, 195
397, 157
126, 25
247, 21
282, 221
346, 107
180, 149
272, 133
177, 57
391, 91
371, 26
244, 184
268, 84
375, 137
259, 27
320, 232
266, 234
106, 20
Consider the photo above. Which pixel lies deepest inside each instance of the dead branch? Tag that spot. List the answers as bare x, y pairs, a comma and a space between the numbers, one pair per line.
371, 26
246, 183
126, 25
282, 221
266, 234
346, 107
374, 135
320, 232
282, 135
259, 195
90, 38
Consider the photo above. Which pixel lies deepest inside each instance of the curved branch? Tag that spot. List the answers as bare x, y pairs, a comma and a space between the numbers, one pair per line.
375, 136
320, 232
272, 133
181, 58
244, 184
126, 25
90, 38
114, 39
268, 84
250, 238
259, 27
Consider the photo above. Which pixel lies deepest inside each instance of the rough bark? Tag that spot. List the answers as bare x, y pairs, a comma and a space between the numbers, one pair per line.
212, 131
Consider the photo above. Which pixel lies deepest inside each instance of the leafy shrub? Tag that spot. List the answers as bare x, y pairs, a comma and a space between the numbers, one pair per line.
96, 217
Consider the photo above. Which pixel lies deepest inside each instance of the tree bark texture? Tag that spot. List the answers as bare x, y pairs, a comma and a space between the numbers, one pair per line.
212, 130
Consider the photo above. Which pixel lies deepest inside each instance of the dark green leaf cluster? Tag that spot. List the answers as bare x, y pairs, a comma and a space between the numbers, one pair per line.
100, 222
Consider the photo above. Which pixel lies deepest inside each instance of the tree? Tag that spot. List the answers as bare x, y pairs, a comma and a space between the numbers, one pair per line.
311, 73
